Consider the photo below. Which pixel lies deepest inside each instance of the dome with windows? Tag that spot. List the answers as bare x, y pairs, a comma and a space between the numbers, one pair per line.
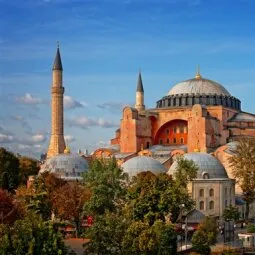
198, 90
140, 164
208, 166
66, 166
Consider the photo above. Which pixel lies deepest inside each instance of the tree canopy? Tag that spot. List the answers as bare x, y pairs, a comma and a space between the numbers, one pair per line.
243, 165
9, 170
205, 236
31, 235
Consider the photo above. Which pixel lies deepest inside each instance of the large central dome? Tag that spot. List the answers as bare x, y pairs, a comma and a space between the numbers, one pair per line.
198, 91
198, 85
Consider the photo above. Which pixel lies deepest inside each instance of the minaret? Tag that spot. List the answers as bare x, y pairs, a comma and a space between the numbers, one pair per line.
57, 142
139, 104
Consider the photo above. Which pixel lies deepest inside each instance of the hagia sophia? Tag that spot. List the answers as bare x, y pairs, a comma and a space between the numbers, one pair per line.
198, 118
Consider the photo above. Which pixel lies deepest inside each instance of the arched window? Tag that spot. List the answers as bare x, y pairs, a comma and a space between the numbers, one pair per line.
211, 192
167, 131
181, 129
174, 141
175, 130
211, 205
201, 192
182, 140
201, 205
167, 140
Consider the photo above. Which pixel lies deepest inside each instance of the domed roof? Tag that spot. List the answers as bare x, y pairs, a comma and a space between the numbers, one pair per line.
140, 164
209, 167
67, 166
198, 85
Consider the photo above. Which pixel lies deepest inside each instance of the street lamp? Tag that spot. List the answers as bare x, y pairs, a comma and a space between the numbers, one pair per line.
182, 206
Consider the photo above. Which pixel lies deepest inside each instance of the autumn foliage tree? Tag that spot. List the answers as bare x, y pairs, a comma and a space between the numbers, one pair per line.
28, 166
243, 165
68, 202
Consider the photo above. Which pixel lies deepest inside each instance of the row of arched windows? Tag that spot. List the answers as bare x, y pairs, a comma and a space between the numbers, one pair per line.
202, 192
173, 141
202, 205
178, 129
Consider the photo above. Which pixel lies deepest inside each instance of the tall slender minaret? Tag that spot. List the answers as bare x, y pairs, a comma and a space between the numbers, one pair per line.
57, 141
139, 104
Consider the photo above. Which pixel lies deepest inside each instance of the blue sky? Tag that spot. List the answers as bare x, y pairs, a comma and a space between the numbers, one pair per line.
103, 44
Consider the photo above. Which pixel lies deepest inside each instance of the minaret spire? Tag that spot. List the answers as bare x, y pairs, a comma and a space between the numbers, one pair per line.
139, 82
57, 62
57, 141
139, 105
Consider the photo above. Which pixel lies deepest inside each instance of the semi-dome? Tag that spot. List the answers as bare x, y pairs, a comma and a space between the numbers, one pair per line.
209, 167
66, 166
140, 164
198, 86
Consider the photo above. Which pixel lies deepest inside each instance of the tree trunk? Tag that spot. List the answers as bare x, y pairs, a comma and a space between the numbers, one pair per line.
247, 210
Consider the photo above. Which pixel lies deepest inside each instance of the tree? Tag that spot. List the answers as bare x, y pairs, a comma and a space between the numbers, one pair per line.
9, 170
205, 236
68, 202
158, 239
39, 197
231, 213
31, 235
106, 181
106, 234
28, 166
243, 165
9, 210
158, 196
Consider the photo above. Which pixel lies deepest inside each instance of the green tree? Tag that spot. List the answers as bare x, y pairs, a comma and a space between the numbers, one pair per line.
156, 197
9, 170
31, 236
243, 165
158, 239
231, 213
27, 166
205, 236
106, 234
106, 181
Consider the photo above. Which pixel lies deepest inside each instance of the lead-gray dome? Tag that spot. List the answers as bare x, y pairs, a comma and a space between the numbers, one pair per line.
209, 167
66, 166
198, 86
140, 164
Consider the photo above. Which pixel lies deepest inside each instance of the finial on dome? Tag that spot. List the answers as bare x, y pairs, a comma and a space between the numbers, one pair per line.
198, 75
67, 150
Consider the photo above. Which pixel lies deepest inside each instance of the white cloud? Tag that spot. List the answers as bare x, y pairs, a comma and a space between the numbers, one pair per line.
69, 138
29, 99
4, 138
71, 103
112, 106
38, 138
84, 122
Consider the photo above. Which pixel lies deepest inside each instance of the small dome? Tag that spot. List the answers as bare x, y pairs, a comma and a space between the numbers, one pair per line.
67, 166
209, 167
140, 164
198, 86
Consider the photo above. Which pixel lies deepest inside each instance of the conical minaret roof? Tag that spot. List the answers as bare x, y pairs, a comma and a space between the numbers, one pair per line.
57, 63
139, 83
